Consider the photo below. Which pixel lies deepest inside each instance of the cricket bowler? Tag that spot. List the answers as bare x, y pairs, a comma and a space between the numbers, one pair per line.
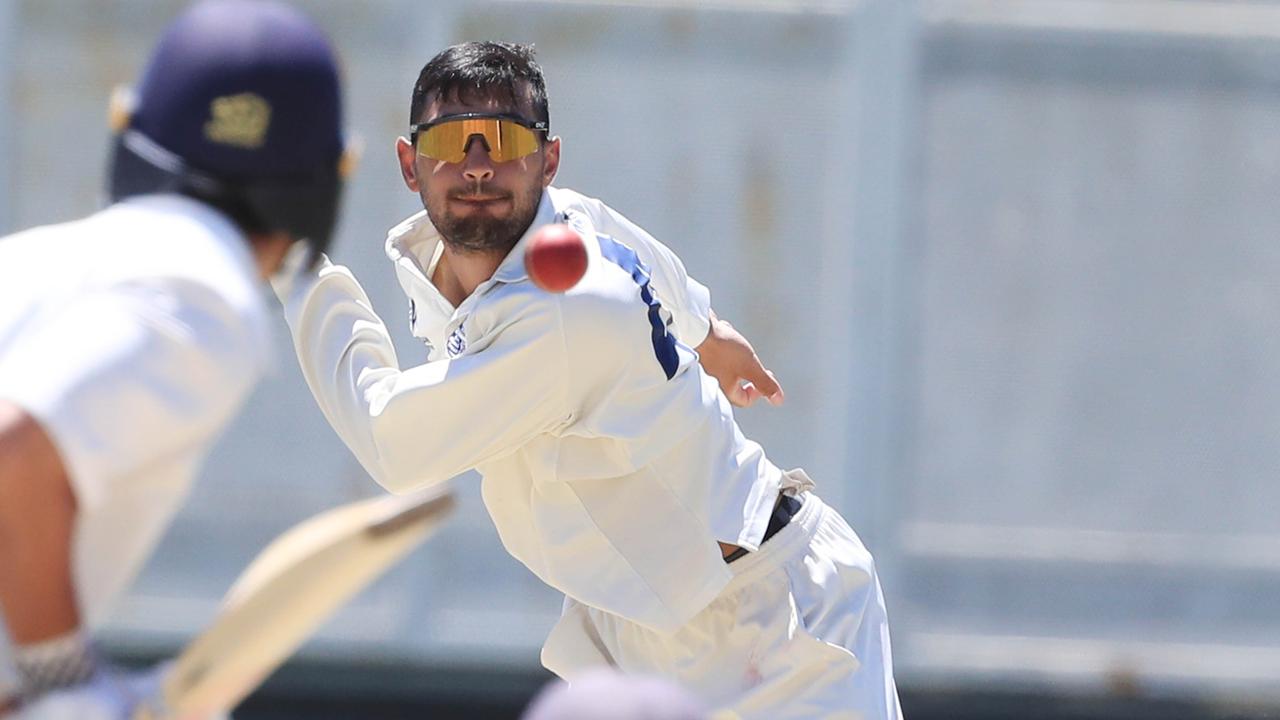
612, 465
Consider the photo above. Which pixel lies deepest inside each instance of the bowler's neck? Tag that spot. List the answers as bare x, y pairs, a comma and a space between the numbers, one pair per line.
460, 272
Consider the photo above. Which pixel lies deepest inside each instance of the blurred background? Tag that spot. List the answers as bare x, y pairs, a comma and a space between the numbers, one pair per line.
1015, 262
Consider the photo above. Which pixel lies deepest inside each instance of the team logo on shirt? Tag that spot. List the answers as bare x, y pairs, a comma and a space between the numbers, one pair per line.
457, 343
577, 221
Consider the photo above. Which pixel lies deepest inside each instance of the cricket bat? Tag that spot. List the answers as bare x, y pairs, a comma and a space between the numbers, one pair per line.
287, 592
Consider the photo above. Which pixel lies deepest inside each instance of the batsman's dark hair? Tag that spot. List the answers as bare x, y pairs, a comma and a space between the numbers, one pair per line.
481, 70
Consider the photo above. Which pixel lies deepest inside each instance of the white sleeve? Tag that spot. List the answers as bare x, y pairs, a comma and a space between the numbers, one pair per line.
688, 300
130, 376
424, 425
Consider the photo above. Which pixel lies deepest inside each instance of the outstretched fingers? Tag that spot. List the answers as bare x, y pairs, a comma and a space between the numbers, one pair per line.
728, 357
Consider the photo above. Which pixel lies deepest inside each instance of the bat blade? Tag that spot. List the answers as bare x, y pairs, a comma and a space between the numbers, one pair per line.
289, 590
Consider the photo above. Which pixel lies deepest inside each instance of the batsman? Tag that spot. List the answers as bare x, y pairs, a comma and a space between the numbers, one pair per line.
130, 338
600, 418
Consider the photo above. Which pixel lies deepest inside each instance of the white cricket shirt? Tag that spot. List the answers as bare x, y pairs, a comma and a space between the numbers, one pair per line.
133, 336
611, 462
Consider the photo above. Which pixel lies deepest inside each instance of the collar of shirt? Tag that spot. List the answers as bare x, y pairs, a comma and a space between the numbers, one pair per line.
226, 232
414, 246
242, 278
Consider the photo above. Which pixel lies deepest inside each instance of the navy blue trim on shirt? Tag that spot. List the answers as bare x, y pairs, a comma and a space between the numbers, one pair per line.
664, 345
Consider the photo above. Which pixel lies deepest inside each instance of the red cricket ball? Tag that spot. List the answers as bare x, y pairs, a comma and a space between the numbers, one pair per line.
555, 258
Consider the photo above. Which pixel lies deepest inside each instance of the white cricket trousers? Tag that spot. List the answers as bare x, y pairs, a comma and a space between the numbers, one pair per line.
799, 633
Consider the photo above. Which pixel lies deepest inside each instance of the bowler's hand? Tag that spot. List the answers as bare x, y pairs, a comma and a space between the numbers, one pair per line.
729, 358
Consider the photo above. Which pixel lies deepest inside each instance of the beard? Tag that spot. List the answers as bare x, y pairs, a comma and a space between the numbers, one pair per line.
479, 231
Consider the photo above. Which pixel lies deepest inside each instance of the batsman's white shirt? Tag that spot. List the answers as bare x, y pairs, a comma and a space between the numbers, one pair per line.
611, 463
133, 336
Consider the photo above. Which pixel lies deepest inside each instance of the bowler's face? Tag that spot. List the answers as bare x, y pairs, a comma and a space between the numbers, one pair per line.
478, 204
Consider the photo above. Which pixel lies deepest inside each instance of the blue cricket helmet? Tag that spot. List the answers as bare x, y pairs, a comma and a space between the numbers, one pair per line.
240, 106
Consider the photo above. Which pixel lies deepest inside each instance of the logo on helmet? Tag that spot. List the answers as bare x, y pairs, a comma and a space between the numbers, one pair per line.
241, 120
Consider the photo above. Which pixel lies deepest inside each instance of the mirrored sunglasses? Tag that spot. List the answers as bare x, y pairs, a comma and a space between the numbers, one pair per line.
506, 137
